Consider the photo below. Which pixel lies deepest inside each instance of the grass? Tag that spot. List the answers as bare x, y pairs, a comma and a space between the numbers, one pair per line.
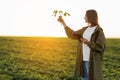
45, 58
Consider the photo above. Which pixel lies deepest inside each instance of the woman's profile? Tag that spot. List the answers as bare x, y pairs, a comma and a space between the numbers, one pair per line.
91, 45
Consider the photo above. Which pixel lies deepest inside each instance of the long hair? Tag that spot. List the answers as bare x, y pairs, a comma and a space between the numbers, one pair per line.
92, 17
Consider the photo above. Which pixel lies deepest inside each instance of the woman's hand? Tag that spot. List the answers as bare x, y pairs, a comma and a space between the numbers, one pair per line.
84, 40
60, 19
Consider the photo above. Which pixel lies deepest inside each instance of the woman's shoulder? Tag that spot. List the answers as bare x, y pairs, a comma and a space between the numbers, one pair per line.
99, 28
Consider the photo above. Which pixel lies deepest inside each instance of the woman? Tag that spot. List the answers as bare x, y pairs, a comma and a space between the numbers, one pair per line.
91, 45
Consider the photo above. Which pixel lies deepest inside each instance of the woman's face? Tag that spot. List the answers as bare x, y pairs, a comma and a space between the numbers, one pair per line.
86, 20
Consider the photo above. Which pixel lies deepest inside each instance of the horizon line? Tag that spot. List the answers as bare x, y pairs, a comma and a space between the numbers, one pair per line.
44, 36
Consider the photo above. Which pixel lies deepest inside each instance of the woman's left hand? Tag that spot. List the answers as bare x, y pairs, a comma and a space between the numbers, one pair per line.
84, 40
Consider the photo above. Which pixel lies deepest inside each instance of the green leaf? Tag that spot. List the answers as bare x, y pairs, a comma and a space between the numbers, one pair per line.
55, 12
60, 13
65, 14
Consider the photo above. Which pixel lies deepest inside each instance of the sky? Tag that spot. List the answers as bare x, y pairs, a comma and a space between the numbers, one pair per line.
34, 17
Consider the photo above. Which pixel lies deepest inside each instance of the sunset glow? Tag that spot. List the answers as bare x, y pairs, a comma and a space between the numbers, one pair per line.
34, 17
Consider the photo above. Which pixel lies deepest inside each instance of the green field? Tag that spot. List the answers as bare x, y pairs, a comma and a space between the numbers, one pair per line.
42, 58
